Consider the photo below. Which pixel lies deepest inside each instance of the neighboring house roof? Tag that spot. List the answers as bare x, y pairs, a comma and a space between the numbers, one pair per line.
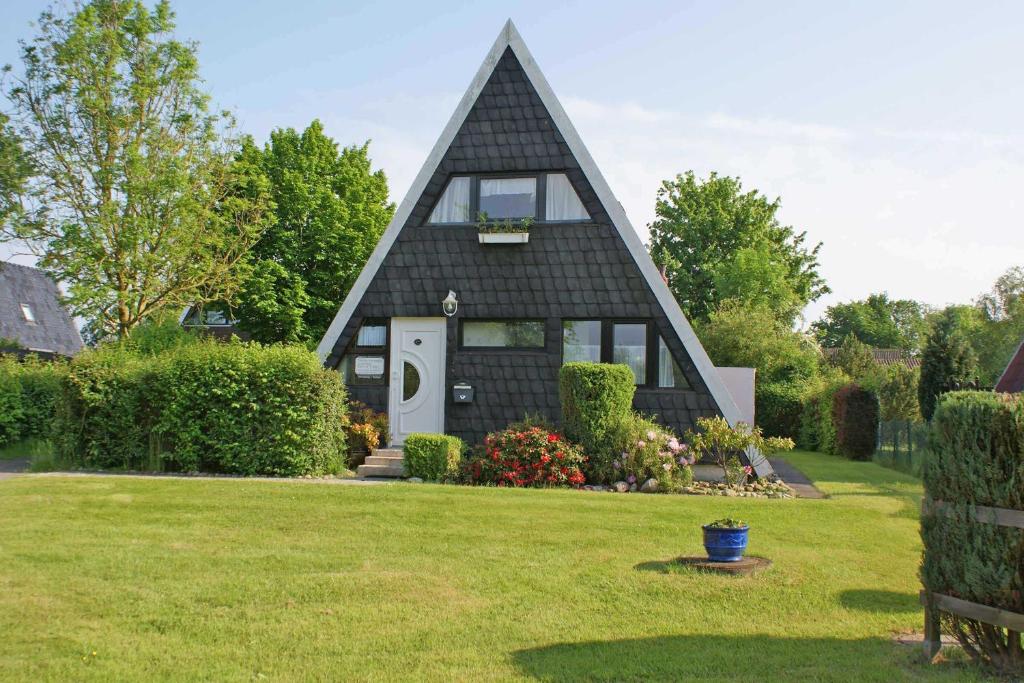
882, 356
570, 143
31, 312
1012, 379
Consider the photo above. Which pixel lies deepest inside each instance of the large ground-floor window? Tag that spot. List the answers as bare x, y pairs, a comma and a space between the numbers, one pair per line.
631, 342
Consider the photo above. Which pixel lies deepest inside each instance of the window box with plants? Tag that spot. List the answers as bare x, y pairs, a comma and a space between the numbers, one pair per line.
507, 231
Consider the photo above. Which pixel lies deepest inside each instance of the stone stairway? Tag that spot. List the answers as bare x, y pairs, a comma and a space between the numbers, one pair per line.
383, 462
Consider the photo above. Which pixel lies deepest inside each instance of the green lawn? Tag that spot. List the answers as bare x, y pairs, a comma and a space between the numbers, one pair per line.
250, 580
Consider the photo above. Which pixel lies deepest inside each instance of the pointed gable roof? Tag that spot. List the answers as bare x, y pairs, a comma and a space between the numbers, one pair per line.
510, 40
52, 330
1012, 379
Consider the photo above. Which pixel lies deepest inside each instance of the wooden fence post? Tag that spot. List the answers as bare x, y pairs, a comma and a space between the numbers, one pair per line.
932, 627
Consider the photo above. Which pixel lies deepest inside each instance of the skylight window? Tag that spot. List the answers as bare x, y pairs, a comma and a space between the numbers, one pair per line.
28, 313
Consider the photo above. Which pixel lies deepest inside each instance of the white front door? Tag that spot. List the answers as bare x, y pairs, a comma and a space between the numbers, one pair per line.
416, 396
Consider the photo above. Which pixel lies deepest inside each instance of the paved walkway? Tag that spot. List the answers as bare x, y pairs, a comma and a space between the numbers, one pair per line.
9, 468
795, 479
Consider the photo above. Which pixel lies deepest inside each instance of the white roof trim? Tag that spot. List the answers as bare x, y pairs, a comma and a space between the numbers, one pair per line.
510, 38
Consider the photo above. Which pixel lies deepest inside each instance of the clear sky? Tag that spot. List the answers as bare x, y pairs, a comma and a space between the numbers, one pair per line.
894, 132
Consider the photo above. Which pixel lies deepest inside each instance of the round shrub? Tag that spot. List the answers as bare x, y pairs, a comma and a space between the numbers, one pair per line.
595, 398
855, 415
434, 457
976, 459
531, 457
646, 450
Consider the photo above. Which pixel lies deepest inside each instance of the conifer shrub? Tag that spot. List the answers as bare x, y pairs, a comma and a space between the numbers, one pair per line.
855, 416
434, 457
976, 459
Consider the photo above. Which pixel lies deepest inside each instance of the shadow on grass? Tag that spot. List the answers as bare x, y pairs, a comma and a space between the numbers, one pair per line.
883, 602
754, 657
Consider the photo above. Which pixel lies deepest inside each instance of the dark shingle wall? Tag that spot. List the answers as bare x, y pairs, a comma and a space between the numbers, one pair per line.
580, 270
54, 330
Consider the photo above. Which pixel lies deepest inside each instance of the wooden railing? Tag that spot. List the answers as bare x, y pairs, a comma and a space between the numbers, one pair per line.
937, 602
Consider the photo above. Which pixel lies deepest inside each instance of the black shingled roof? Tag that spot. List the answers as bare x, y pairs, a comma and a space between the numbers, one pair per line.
53, 330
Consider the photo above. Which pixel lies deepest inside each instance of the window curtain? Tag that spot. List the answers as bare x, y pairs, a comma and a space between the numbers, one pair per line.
630, 347
372, 335
562, 202
453, 207
581, 341
666, 376
508, 197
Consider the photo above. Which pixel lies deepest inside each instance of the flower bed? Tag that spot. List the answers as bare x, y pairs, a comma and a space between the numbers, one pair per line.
526, 456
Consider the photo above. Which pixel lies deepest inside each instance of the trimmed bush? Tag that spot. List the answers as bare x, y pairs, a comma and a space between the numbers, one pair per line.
779, 406
595, 398
28, 394
976, 459
817, 429
855, 416
434, 457
213, 407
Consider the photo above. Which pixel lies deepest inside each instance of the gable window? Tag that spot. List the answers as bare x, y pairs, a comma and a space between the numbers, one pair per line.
27, 313
581, 341
541, 196
629, 346
366, 362
561, 203
670, 375
508, 197
503, 334
453, 207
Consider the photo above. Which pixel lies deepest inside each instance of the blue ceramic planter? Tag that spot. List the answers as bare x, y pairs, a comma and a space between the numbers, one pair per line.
725, 545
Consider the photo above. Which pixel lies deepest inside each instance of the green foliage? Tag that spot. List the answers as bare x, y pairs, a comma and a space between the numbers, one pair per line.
28, 393
209, 406
817, 429
1001, 329
595, 397
898, 394
947, 364
786, 361
157, 335
877, 321
977, 459
717, 242
525, 457
14, 170
726, 523
856, 360
721, 443
646, 450
132, 199
329, 209
433, 457
855, 416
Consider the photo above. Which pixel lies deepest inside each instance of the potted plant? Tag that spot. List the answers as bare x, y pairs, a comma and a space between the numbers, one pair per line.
725, 539
503, 232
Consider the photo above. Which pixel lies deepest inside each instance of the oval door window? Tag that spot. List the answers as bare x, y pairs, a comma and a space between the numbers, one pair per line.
410, 380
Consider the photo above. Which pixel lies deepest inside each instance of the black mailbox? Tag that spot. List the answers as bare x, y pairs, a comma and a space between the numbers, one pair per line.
462, 393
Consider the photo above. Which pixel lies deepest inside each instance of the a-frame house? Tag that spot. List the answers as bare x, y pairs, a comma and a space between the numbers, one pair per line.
448, 331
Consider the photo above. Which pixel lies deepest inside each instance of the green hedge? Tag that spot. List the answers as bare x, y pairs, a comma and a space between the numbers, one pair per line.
434, 457
817, 429
595, 398
28, 394
213, 407
779, 406
976, 459
855, 414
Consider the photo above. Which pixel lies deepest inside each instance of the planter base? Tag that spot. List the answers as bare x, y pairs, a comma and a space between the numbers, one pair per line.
748, 565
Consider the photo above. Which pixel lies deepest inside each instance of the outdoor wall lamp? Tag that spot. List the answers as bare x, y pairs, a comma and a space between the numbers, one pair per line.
450, 304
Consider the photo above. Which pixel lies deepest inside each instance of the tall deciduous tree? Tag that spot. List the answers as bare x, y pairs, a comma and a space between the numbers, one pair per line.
718, 243
948, 363
330, 209
131, 200
876, 321
14, 170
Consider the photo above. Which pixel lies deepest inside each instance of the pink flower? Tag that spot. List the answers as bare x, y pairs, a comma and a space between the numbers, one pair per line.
748, 469
615, 464
625, 455
640, 444
682, 461
651, 436
631, 479
674, 445
667, 466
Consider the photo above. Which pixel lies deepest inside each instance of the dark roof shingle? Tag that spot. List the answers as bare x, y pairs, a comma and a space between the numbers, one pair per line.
1012, 381
53, 329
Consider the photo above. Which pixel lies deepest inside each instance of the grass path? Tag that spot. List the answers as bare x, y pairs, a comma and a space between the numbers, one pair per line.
248, 580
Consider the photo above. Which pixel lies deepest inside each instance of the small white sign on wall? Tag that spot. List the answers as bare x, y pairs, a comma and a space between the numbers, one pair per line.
369, 366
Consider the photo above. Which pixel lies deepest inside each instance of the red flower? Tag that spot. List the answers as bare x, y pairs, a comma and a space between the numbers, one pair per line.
552, 438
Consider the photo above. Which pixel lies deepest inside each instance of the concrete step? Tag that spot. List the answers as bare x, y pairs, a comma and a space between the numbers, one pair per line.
388, 452
386, 460
380, 471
